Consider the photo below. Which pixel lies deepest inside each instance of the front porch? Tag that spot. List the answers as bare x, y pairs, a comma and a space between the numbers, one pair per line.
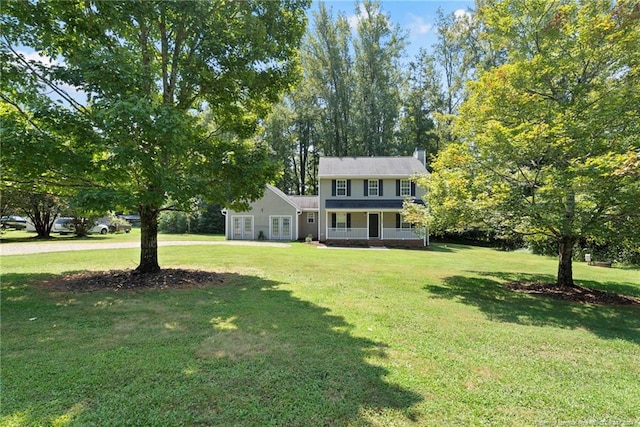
372, 228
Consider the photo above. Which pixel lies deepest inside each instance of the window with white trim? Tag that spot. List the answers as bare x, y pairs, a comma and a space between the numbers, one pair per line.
341, 187
341, 220
405, 187
373, 187
311, 217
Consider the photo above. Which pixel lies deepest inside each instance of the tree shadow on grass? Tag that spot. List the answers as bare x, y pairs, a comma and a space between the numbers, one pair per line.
500, 304
617, 287
244, 352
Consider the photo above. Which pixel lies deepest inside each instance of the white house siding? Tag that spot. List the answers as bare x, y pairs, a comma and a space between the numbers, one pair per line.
357, 187
263, 211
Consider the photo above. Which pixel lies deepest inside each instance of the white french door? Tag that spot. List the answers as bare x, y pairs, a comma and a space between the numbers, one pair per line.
280, 228
242, 228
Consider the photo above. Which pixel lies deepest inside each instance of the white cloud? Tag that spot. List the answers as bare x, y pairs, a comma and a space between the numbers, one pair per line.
353, 21
362, 13
72, 91
461, 13
36, 56
417, 26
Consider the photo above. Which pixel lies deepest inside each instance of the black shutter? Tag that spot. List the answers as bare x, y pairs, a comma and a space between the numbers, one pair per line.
413, 189
333, 220
348, 220
333, 188
397, 188
366, 187
349, 187
397, 220
380, 181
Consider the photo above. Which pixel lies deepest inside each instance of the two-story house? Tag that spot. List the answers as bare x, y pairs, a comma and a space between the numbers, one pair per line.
359, 200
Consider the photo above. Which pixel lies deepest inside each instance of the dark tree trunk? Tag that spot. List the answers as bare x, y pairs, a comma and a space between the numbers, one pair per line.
566, 241
565, 267
43, 210
148, 240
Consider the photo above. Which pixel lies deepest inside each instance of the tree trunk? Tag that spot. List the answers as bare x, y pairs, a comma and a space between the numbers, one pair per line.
565, 267
148, 240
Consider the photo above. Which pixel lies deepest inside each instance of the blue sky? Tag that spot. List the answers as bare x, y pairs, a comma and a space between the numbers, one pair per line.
416, 17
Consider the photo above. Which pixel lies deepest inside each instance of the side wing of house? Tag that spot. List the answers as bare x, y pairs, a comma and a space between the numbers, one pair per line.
308, 220
360, 199
273, 217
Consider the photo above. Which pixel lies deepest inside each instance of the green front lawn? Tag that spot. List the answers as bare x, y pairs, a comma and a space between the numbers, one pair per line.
303, 336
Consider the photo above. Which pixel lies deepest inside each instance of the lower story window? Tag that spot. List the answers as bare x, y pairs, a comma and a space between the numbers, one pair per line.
311, 217
341, 220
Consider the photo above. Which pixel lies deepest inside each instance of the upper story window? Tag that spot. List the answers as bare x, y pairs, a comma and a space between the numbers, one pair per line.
341, 187
405, 187
373, 187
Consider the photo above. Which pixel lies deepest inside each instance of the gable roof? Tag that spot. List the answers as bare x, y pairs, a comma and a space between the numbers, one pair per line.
283, 196
341, 167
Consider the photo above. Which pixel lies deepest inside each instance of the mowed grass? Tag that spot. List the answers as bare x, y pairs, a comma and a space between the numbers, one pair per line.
303, 336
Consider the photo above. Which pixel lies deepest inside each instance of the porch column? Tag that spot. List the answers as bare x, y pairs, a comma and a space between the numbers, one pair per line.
368, 213
326, 225
381, 225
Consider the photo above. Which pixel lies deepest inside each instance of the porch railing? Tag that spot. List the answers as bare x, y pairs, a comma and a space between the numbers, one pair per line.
400, 234
348, 233
363, 234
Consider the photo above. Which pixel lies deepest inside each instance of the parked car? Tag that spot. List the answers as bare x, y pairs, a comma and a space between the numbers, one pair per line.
115, 224
99, 229
13, 221
133, 219
119, 226
65, 225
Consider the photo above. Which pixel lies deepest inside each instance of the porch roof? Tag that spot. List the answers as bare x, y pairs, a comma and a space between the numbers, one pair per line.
366, 204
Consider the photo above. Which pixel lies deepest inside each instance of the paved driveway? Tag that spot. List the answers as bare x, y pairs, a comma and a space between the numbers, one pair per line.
41, 247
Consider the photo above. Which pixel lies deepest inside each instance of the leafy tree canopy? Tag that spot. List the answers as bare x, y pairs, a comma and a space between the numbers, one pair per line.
549, 140
118, 91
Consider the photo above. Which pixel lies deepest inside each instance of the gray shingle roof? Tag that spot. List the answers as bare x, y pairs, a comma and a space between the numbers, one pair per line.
305, 202
340, 167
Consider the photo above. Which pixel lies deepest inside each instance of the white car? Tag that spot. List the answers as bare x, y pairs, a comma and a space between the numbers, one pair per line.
65, 226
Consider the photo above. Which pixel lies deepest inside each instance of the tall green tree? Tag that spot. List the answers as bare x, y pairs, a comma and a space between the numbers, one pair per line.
327, 60
549, 141
454, 55
144, 73
422, 99
292, 132
379, 47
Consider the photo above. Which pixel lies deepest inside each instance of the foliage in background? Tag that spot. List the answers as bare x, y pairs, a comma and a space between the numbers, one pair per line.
549, 141
205, 218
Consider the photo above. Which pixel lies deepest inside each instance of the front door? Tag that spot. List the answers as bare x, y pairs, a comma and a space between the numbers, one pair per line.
374, 226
